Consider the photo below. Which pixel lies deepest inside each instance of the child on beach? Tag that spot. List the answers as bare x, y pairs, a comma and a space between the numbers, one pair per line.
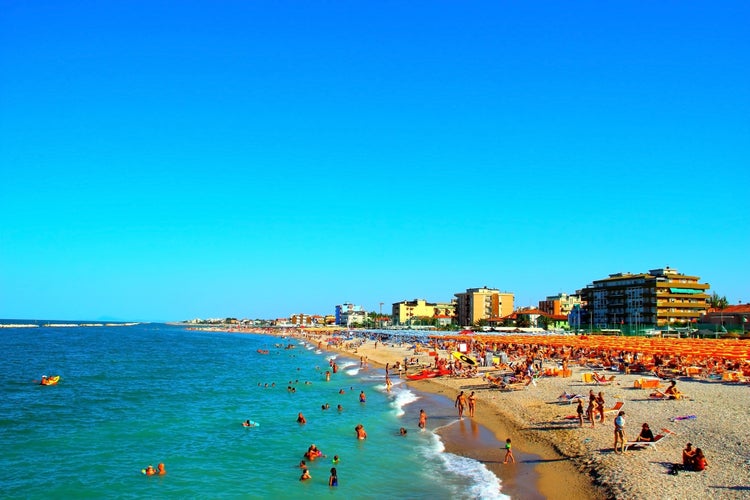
508, 452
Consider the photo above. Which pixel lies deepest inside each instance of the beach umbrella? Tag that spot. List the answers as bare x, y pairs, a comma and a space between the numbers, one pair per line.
463, 357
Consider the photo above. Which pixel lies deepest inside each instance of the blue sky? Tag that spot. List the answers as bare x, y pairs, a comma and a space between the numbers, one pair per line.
171, 160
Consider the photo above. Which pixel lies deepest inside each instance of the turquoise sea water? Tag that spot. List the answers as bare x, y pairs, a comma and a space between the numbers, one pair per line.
137, 395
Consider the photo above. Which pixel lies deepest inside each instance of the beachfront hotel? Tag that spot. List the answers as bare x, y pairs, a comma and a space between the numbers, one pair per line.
476, 304
659, 297
348, 314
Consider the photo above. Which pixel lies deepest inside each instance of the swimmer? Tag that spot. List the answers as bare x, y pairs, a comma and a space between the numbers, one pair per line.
302, 464
340, 408
360, 431
301, 418
335, 459
362, 397
305, 475
402, 431
161, 470
149, 471
334, 479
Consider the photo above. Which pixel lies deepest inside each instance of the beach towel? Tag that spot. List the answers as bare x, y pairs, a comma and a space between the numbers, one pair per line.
685, 417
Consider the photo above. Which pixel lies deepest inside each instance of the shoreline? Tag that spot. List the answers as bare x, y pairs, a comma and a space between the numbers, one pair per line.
712, 415
554, 475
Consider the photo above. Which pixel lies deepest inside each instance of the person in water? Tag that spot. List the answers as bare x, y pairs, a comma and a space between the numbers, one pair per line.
301, 418
334, 479
335, 459
422, 419
362, 397
150, 471
160, 469
360, 430
305, 475
402, 431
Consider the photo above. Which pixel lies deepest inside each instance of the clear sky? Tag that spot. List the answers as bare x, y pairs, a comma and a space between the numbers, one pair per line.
172, 160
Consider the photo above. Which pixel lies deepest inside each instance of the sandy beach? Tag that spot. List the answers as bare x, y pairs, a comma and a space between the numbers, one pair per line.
566, 460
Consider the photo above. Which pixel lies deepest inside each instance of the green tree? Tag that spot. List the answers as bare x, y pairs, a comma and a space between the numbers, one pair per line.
717, 302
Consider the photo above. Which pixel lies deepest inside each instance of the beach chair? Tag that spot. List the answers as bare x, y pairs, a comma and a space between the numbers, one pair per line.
616, 408
649, 444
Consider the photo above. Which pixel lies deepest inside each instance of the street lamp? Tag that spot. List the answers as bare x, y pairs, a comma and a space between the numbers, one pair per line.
380, 318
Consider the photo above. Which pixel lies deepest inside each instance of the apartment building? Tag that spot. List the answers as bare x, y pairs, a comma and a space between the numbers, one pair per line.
407, 311
476, 304
657, 298
559, 305
349, 314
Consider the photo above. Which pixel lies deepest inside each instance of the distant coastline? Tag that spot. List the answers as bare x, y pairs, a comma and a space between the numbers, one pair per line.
32, 323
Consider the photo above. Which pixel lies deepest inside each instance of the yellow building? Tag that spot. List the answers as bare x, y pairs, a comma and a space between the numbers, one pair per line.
407, 312
476, 304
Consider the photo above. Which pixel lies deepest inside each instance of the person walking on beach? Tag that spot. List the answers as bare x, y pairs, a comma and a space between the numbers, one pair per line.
620, 431
460, 404
472, 399
508, 453
422, 419
579, 410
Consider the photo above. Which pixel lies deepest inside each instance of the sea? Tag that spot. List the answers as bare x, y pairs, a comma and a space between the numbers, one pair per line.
140, 394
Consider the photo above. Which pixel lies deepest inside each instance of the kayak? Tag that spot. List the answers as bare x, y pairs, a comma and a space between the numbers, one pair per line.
428, 374
50, 380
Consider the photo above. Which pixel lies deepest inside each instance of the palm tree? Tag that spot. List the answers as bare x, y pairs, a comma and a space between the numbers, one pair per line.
716, 302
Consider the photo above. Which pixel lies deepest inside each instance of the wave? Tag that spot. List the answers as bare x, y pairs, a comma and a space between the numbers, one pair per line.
346, 364
401, 398
466, 477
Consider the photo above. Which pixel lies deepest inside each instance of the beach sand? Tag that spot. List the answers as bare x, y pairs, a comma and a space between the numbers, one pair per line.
555, 458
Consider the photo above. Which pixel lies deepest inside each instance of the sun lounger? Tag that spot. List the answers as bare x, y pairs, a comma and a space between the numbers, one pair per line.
649, 444
616, 408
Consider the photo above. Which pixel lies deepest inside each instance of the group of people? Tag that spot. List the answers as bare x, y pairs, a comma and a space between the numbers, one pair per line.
159, 471
462, 400
595, 407
693, 458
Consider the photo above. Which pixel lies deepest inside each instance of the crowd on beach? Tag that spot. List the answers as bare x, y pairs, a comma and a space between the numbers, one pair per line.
521, 379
